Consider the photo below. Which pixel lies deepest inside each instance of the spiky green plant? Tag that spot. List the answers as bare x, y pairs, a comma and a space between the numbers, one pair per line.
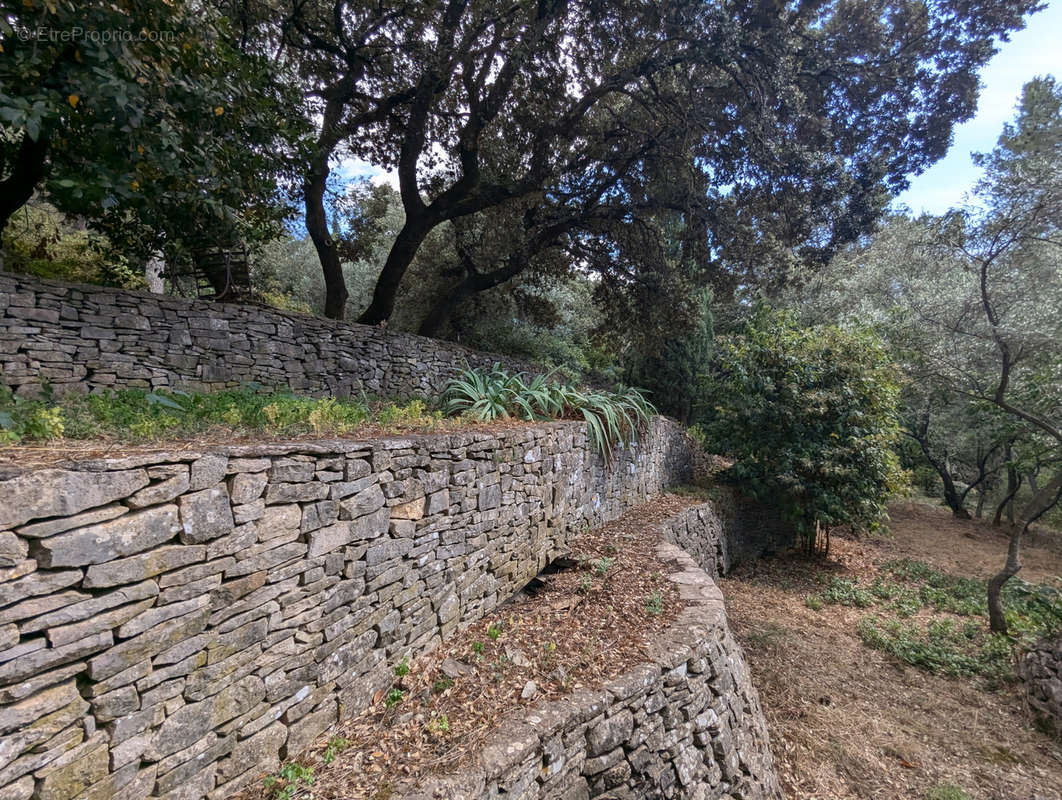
611, 417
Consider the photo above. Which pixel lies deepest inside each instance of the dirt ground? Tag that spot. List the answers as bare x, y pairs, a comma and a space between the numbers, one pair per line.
850, 722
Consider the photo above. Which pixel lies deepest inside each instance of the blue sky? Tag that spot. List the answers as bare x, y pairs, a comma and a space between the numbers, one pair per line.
1037, 50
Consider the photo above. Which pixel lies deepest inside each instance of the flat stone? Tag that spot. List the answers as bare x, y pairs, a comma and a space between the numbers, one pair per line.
610, 733
262, 751
39, 530
142, 566
67, 634
35, 584
42, 680
74, 771
155, 616
371, 525
245, 487
36, 606
278, 520
28, 665
164, 491
364, 502
91, 607
106, 541
325, 540
21, 714
60, 493
192, 722
205, 515
12, 549
413, 509
151, 642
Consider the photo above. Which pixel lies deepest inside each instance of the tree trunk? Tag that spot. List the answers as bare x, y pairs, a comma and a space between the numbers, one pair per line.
951, 494
402, 253
1013, 485
27, 172
1040, 504
327, 252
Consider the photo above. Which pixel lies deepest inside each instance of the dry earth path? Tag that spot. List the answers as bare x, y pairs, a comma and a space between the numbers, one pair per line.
847, 721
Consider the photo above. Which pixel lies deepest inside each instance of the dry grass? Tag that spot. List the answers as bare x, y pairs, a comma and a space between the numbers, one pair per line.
850, 722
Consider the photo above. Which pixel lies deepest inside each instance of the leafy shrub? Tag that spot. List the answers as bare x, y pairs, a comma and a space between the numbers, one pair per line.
810, 417
487, 395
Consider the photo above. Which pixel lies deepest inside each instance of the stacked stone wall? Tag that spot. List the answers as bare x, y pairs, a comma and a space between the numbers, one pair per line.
80, 338
1041, 670
686, 724
172, 624
728, 531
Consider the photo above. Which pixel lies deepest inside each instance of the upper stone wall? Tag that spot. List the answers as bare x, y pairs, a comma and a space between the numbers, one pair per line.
174, 624
80, 337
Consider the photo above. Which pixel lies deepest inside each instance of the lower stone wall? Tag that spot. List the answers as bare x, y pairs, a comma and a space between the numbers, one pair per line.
1041, 670
687, 724
728, 531
172, 624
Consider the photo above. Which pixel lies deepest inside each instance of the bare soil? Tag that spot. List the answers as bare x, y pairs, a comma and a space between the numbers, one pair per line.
850, 722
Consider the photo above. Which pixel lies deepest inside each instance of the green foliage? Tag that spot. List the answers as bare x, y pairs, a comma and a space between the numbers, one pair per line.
288, 781
809, 415
603, 565
137, 415
37, 241
394, 697
494, 631
942, 647
671, 369
611, 417
947, 791
336, 745
161, 140
402, 668
654, 604
847, 593
953, 638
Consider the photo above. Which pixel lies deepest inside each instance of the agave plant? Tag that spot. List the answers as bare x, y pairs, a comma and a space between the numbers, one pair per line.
610, 417
479, 395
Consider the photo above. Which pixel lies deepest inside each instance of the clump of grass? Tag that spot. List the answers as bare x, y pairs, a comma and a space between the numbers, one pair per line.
136, 415
947, 791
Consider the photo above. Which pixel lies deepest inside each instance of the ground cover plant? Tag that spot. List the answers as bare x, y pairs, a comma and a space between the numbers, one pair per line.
937, 621
137, 415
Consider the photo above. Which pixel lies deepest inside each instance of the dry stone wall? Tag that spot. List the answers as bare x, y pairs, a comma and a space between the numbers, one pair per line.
721, 534
79, 338
173, 624
1041, 670
686, 724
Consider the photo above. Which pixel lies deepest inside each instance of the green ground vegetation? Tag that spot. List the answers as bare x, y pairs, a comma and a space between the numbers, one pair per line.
938, 622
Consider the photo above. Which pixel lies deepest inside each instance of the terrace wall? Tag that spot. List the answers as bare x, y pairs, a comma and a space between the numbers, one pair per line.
80, 338
174, 624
